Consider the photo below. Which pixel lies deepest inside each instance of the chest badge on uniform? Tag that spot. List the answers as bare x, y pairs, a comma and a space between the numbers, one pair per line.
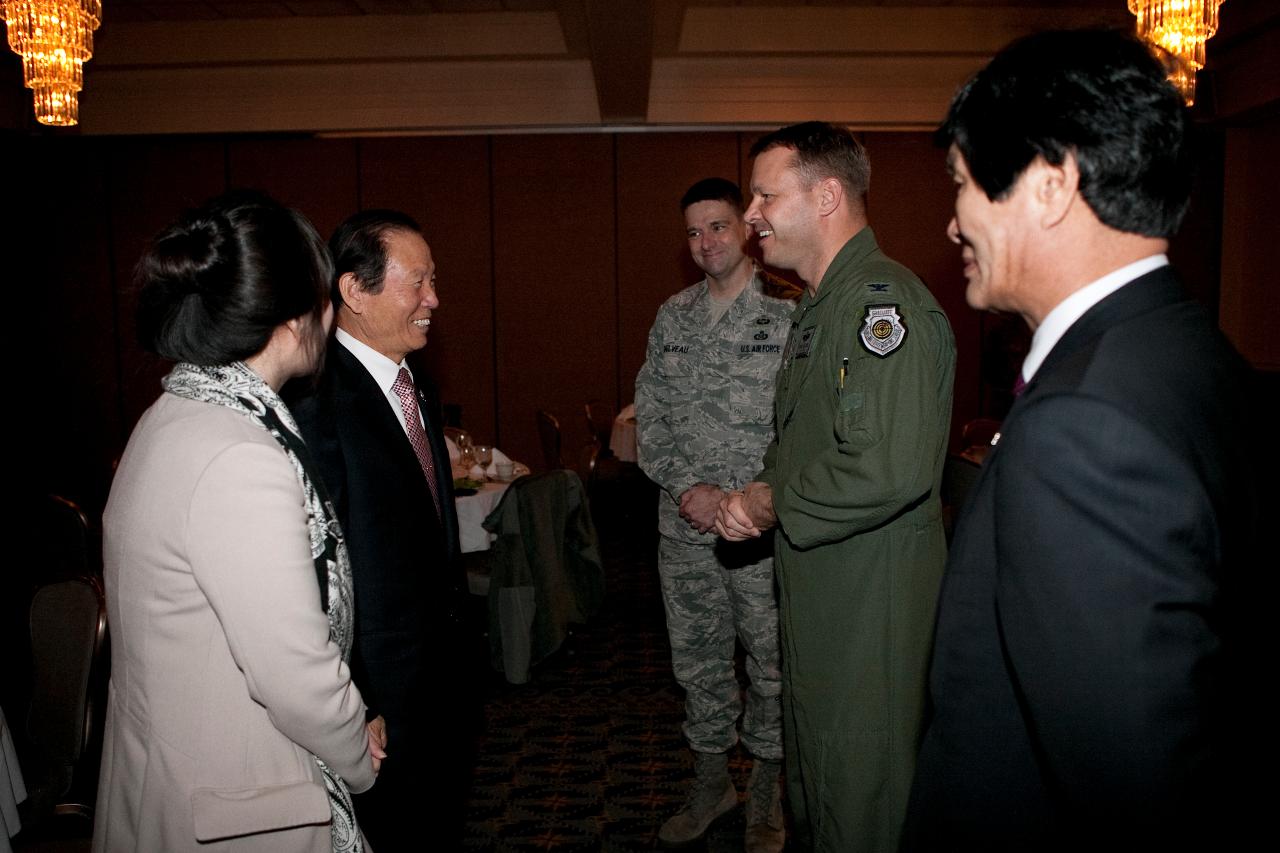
807, 337
882, 330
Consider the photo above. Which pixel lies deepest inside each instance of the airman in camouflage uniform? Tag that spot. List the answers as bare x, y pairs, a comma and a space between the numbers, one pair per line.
704, 412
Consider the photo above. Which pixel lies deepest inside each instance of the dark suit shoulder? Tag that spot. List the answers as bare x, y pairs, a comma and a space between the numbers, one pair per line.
307, 397
1169, 369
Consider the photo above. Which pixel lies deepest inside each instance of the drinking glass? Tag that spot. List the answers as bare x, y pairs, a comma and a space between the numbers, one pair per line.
484, 455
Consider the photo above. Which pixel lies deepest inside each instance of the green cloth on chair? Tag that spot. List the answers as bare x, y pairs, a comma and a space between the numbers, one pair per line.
545, 570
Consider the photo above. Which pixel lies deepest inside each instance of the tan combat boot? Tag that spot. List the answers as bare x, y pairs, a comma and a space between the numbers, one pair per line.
711, 796
765, 830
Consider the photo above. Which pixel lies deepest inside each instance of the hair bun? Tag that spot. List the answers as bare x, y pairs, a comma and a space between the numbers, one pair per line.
214, 287
188, 254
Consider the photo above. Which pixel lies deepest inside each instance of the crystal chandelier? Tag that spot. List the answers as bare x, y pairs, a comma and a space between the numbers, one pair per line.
54, 39
1180, 27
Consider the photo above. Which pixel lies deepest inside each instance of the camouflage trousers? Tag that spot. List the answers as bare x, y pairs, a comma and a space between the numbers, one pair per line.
710, 601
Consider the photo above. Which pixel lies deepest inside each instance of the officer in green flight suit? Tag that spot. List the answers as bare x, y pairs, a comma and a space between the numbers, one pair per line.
863, 406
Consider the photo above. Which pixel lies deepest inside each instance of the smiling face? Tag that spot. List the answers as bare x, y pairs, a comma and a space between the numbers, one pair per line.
717, 238
994, 237
394, 320
783, 211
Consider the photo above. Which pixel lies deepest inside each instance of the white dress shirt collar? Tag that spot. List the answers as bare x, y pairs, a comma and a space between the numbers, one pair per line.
1066, 312
383, 370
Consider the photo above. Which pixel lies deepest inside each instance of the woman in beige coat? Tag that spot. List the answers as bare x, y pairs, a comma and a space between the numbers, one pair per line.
232, 722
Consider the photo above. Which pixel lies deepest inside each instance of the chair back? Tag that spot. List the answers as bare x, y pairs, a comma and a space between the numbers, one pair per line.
979, 432
68, 634
549, 437
458, 436
67, 546
68, 629
599, 422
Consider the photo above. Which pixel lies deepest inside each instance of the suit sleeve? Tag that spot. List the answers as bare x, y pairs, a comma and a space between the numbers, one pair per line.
1105, 597
250, 553
887, 424
657, 401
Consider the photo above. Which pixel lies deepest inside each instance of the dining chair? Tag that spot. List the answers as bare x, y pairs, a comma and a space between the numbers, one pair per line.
457, 435
600, 417
545, 570
549, 437
978, 432
67, 544
68, 623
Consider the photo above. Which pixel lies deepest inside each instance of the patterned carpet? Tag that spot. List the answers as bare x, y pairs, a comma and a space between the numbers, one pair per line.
588, 755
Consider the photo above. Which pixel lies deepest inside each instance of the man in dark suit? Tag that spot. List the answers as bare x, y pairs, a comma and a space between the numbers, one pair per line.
1086, 679
375, 432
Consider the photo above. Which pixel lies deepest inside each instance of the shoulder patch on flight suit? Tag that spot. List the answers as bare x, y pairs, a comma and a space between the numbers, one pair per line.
883, 330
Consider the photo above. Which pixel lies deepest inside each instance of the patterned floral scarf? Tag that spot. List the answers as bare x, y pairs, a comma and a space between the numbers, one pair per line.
237, 387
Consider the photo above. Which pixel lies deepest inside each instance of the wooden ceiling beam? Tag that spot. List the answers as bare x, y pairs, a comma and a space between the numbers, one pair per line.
619, 43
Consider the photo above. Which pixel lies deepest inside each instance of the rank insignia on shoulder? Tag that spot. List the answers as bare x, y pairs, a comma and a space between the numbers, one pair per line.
878, 286
763, 321
882, 330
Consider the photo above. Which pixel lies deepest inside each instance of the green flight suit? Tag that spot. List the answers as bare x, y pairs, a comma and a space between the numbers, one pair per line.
855, 471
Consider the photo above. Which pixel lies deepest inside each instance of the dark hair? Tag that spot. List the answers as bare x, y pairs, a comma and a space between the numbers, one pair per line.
712, 189
359, 247
822, 151
1099, 95
214, 286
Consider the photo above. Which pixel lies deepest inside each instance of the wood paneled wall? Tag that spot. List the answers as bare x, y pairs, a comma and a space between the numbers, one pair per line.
555, 300
1250, 297
444, 183
553, 252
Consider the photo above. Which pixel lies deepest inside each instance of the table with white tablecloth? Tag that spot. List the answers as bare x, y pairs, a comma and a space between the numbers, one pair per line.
472, 511
12, 790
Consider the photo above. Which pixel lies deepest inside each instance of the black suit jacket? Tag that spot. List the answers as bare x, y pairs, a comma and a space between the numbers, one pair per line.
1086, 674
403, 554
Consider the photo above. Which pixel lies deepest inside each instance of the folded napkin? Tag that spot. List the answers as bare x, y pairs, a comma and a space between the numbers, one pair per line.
454, 453
498, 456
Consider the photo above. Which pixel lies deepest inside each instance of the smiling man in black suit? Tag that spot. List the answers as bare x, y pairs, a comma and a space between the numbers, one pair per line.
375, 433
1086, 679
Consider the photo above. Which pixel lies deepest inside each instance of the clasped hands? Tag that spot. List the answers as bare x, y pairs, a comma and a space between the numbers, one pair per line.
735, 516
